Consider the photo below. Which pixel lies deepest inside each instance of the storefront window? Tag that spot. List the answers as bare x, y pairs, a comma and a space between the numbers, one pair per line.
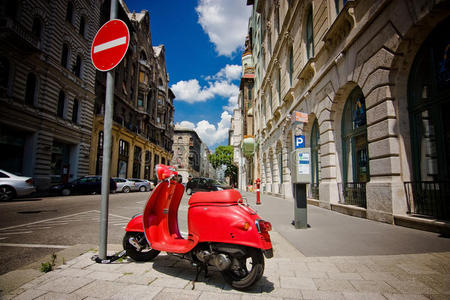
122, 166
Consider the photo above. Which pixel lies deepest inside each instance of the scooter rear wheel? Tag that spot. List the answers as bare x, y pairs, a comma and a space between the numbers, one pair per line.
145, 254
245, 270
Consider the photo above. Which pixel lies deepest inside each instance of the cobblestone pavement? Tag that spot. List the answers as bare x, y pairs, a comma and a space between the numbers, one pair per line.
289, 275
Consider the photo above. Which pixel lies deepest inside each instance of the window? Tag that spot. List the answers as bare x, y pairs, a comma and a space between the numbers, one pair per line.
309, 35
77, 67
69, 12
82, 29
142, 76
122, 166
65, 55
354, 139
75, 111
315, 159
280, 165
148, 166
4, 72
61, 103
137, 162
279, 86
30, 92
99, 153
291, 64
270, 100
339, 4
36, 29
140, 100
143, 56
277, 19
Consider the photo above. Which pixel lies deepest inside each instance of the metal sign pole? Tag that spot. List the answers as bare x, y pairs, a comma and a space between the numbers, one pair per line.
107, 146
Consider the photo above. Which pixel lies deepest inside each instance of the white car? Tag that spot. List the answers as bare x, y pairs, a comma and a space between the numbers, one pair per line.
143, 185
12, 186
125, 185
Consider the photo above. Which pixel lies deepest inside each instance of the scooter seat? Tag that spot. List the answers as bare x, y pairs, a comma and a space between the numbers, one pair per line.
218, 197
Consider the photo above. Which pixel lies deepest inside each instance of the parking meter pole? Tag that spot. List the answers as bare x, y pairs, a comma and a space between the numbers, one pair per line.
258, 196
107, 146
300, 214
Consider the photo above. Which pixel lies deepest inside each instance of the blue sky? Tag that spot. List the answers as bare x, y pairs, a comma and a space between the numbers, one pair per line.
203, 41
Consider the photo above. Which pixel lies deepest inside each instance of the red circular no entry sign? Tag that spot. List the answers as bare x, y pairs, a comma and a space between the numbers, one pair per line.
110, 45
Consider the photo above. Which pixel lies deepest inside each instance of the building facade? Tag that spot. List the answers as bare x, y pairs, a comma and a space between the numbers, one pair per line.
190, 154
373, 79
143, 104
47, 88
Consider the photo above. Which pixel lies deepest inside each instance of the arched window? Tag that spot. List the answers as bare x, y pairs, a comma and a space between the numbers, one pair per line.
82, 29
428, 106
277, 19
309, 35
65, 55
98, 167
279, 87
30, 92
143, 56
61, 103
69, 12
315, 159
355, 148
291, 64
75, 111
77, 67
36, 29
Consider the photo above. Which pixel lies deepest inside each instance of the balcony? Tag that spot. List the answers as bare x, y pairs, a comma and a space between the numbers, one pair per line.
18, 35
342, 26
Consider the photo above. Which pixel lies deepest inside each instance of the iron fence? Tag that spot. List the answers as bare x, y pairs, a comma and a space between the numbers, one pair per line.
428, 198
353, 193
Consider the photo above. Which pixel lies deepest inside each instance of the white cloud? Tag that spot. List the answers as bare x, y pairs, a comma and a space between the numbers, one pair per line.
229, 73
190, 91
232, 104
225, 22
209, 133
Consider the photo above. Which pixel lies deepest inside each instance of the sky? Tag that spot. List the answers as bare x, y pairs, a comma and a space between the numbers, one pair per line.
203, 42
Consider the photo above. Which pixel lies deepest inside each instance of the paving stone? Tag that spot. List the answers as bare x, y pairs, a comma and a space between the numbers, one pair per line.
30, 294
205, 295
258, 297
439, 282
177, 294
416, 269
104, 275
352, 268
101, 289
136, 292
412, 287
171, 282
321, 295
381, 276
405, 297
322, 267
142, 279
373, 286
297, 283
74, 272
64, 284
287, 293
363, 296
103, 267
59, 296
309, 274
334, 285
344, 276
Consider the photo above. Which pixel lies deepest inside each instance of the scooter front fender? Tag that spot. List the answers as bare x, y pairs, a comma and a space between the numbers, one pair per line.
136, 224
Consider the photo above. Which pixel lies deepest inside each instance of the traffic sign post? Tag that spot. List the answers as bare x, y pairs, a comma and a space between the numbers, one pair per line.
108, 49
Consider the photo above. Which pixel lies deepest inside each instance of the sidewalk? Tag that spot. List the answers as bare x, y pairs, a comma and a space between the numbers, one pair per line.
315, 272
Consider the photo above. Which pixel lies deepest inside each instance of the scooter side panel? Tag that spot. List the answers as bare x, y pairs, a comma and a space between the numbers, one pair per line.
225, 224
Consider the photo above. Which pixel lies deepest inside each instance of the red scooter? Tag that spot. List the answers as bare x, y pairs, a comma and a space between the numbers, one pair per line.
223, 231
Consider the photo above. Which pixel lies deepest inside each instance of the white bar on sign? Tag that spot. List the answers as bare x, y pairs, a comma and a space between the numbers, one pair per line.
110, 44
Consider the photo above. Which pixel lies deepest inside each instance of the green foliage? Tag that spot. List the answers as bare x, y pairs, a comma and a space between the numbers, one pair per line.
48, 266
224, 156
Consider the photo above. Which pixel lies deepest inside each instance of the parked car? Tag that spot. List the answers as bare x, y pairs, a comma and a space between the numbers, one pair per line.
125, 185
83, 185
142, 184
12, 186
205, 185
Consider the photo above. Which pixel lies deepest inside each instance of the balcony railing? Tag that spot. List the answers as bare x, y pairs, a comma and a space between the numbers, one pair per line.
20, 34
353, 193
428, 198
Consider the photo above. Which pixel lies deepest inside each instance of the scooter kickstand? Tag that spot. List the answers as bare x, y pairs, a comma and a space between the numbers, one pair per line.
199, 270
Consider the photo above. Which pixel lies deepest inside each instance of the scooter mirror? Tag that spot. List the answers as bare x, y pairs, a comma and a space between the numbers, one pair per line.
164, 172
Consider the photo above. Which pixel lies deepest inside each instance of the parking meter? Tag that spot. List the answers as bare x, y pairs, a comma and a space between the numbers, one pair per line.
301, 176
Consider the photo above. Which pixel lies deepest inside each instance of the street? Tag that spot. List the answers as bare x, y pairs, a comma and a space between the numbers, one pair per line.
32, 228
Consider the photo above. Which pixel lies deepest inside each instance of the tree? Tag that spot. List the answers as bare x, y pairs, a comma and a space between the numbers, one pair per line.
224, 156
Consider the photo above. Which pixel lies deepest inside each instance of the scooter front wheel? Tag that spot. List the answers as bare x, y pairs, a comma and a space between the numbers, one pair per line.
245, 270
145, 253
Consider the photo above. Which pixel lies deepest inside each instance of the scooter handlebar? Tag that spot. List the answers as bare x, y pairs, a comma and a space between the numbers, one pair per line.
163, 172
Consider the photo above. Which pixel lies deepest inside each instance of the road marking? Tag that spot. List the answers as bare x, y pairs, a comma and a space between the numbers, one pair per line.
110, 44
34, 246
42, 221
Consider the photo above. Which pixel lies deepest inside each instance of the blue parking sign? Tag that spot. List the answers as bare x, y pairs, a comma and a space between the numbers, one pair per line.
299, 141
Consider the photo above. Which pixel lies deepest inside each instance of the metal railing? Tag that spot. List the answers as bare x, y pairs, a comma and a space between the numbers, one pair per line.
428, 198
353, 193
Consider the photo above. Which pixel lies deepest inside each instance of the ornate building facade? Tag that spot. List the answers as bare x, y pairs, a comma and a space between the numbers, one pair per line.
143, 105
373, 79
47, 88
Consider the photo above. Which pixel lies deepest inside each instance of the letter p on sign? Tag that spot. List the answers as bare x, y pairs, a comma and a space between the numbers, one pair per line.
299, 141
